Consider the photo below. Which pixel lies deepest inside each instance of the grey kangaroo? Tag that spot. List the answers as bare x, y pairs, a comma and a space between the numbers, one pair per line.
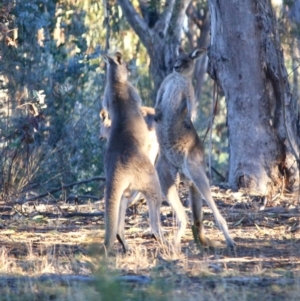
181, 149
152, 149
127, 166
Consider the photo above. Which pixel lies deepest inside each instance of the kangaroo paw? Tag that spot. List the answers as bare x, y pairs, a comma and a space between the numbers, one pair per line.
208, 243
200, 237
230, 244
123, 243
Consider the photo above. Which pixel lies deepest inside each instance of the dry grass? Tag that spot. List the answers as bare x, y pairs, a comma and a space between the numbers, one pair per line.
266, 264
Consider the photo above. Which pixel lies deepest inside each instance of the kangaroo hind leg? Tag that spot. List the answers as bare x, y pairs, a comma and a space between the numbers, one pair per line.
195, 200
167, 179
121, 223
150, 187
113, 197
126, 201
196, 173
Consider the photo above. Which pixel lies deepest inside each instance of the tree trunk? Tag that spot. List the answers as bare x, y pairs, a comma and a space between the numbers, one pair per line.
246, 62
291, 15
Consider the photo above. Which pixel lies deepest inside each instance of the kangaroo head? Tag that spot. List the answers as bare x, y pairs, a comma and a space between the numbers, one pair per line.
185, 63
116, 67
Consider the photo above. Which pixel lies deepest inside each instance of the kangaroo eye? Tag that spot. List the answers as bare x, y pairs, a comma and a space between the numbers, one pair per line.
176, 67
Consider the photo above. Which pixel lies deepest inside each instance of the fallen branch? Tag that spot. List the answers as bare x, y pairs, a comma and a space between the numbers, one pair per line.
82, 196
246, 281
276, 211
13, 282
71, 214
83, 214
64, 186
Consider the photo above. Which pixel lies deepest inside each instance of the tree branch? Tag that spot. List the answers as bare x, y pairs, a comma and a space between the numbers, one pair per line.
178, 14
106, 24
165, 18
150, 11
135, 21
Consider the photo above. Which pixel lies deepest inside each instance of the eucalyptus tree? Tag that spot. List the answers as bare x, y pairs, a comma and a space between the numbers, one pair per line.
246, 60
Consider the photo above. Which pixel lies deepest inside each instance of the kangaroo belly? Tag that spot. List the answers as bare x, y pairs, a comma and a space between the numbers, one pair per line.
175, 156
173, 150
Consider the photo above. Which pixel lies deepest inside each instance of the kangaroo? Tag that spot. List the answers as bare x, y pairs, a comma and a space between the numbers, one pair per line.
152, 150
181, 150
127, 166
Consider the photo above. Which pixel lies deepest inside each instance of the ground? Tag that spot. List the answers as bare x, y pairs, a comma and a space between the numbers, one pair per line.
61, 239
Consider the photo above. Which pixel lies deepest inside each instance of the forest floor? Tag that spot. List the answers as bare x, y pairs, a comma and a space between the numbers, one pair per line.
48, 251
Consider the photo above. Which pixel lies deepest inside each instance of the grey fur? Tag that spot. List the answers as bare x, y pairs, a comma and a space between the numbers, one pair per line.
153, 147
181, 149
127, 166
148, 114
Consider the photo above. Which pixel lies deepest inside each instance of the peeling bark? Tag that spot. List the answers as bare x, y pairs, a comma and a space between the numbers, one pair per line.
245, 60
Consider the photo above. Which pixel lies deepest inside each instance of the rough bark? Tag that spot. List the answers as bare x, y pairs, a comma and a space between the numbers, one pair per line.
291, 15
246, 61
161, 37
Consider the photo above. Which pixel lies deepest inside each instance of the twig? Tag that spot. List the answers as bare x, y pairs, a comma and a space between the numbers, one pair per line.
218, 174
293, 70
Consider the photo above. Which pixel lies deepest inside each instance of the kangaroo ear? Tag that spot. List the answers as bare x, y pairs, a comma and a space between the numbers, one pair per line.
197, 53
107, 58
119, 58
179, 51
